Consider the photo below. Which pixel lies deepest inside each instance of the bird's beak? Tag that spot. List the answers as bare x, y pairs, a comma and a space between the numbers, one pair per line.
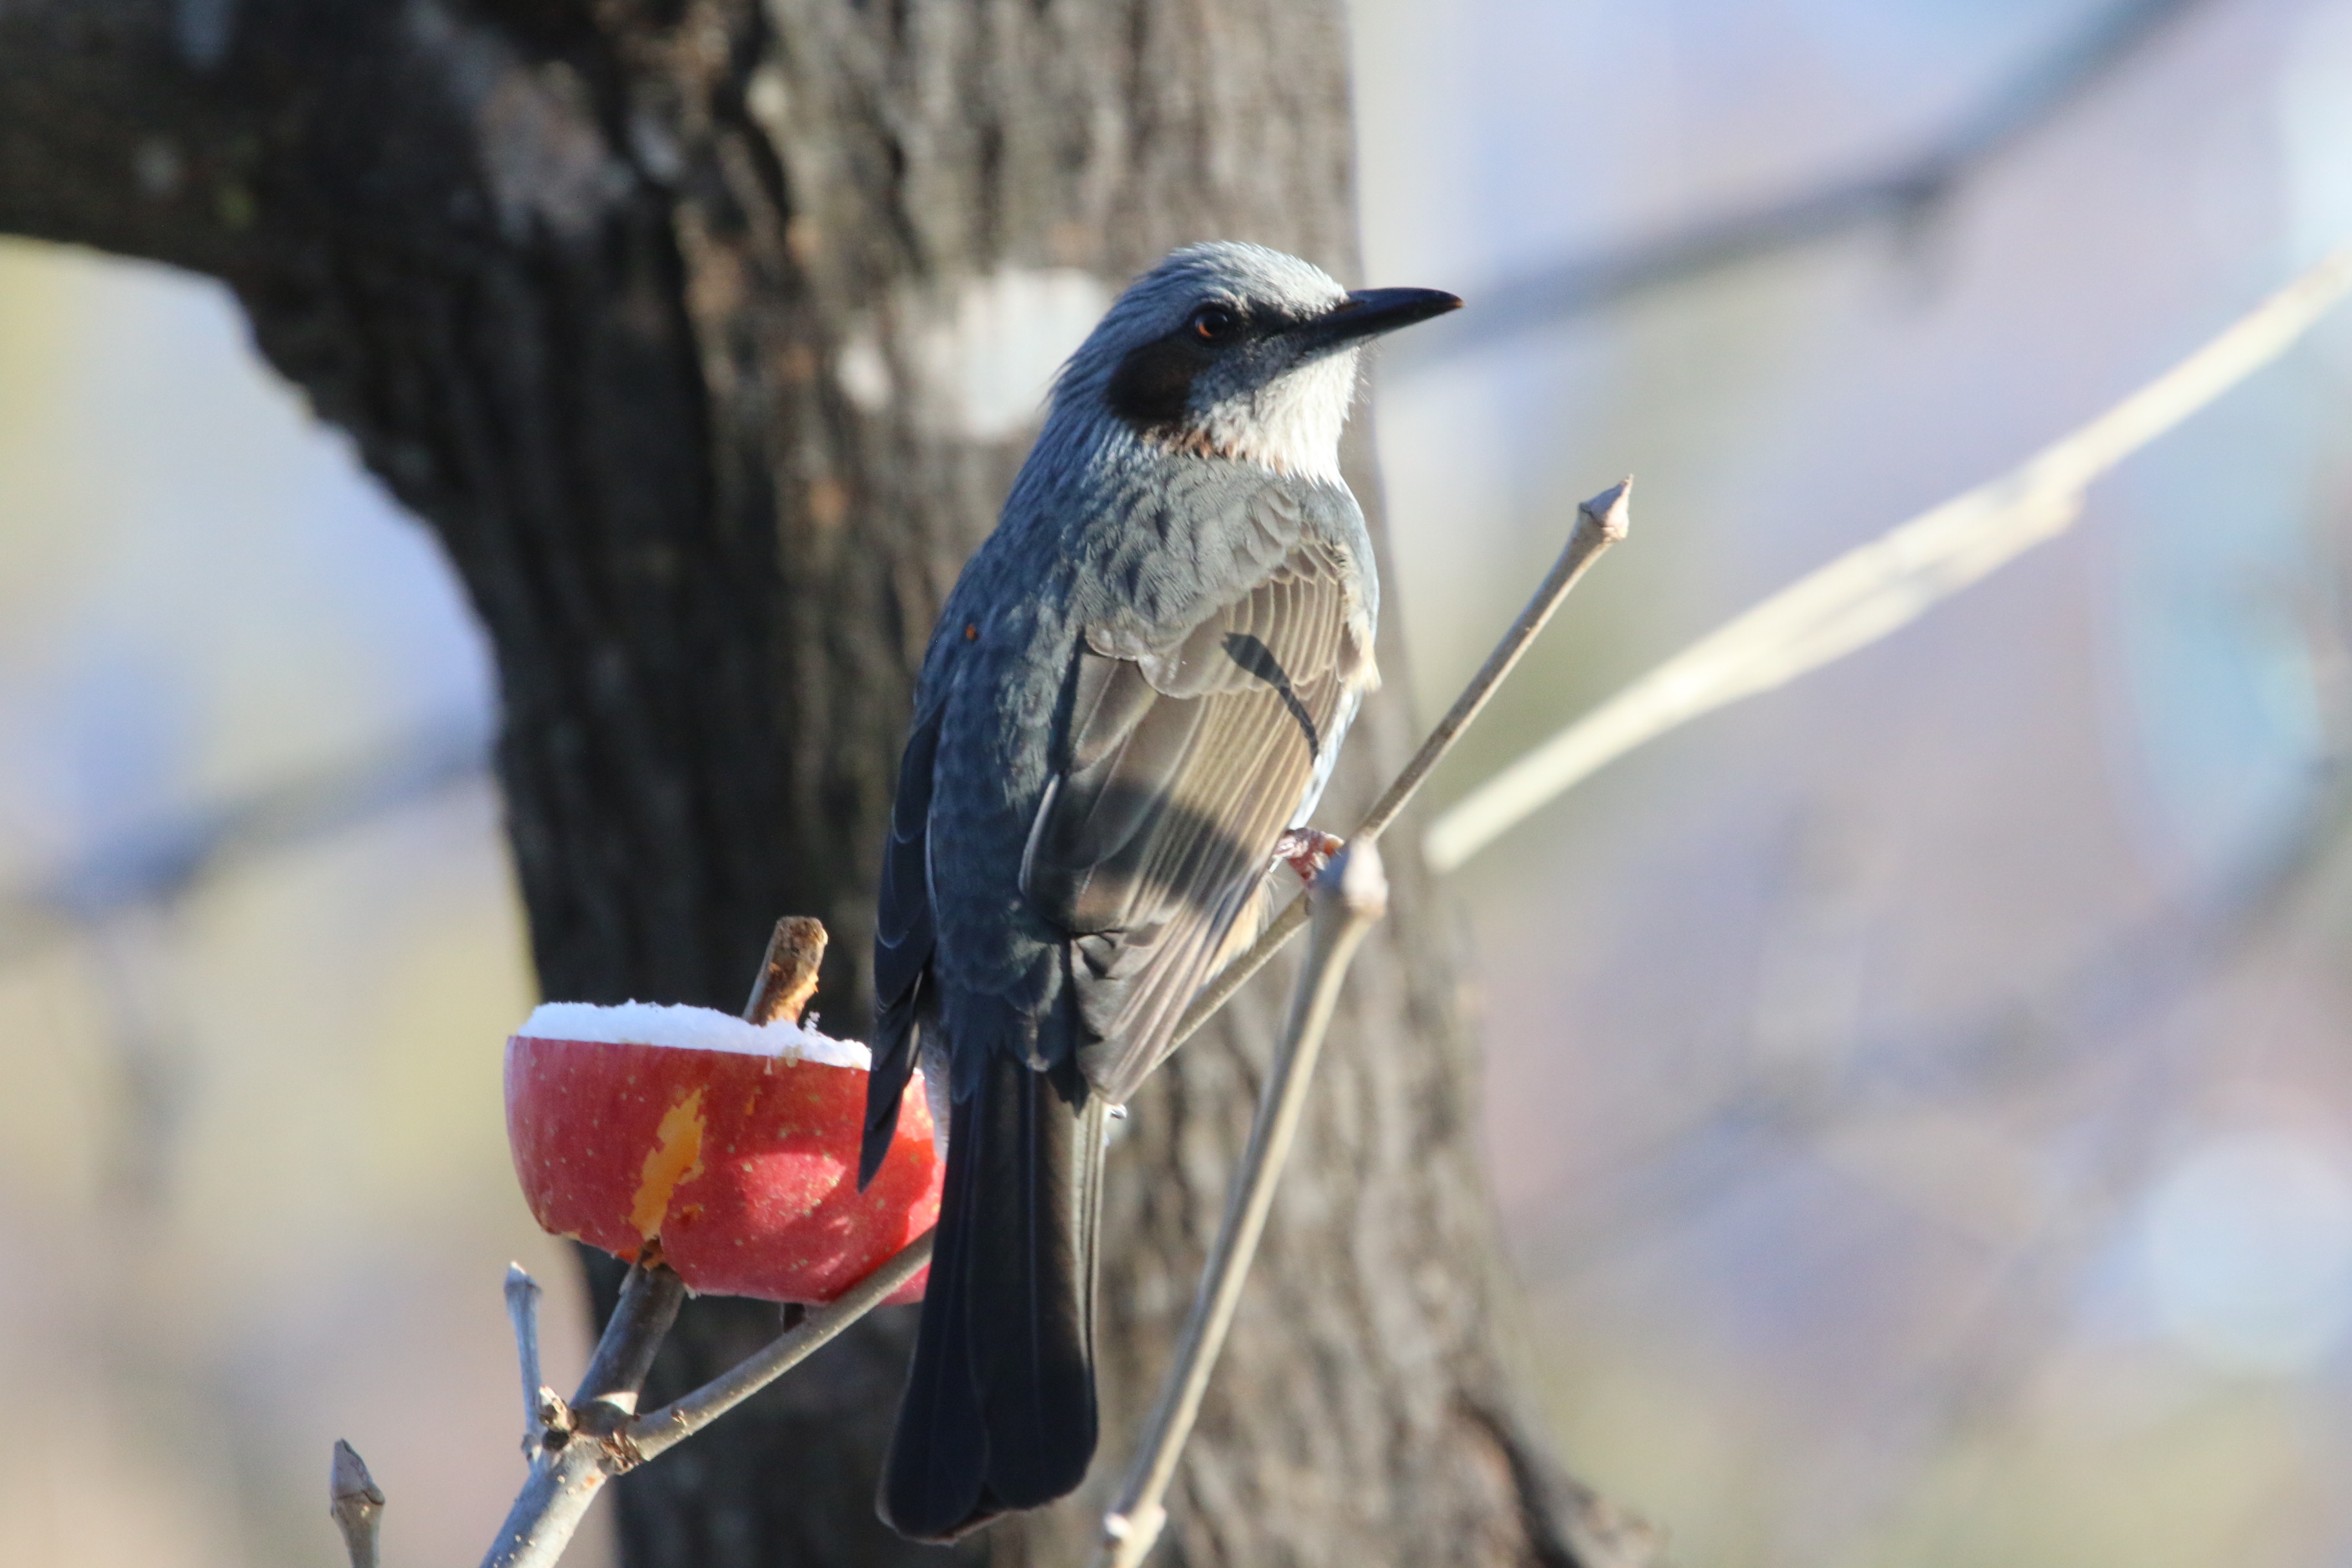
1369, 312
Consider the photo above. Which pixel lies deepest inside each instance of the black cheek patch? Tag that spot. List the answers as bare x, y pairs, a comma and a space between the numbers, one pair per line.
1152, 387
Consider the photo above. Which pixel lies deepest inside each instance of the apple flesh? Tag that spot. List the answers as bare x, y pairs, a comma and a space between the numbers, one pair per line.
742, 1161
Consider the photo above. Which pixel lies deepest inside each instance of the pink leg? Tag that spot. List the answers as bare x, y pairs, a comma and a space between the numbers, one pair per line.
1307, 850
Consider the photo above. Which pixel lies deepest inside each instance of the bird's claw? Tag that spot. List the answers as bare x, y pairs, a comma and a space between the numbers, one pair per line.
1308, 850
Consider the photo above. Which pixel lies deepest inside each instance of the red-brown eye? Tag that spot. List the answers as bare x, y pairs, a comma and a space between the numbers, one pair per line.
1215, 323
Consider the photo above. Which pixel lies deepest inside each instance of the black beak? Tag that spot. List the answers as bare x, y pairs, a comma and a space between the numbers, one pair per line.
1369, 312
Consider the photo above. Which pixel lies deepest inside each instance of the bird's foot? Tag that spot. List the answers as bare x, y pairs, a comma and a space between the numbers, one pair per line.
1307, 850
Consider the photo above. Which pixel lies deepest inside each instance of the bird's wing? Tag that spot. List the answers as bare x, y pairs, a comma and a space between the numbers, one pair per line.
904, 935
1185, 763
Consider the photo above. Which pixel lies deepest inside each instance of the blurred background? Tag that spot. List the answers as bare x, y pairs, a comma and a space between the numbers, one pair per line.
1918, 1097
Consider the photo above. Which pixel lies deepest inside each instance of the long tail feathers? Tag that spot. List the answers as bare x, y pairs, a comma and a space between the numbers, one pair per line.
1000, 1406
935, 1477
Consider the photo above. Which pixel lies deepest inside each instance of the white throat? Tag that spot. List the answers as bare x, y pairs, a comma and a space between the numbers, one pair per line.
1291, 424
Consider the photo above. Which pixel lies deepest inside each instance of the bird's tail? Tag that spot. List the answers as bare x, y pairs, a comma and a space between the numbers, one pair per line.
998, 1412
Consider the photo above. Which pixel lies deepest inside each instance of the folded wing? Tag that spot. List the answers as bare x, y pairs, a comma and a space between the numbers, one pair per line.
1187, 760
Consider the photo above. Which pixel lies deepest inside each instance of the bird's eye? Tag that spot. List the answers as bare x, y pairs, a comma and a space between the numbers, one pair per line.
1215, 323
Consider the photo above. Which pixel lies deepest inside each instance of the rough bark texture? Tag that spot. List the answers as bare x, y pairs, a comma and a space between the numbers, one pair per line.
584, 282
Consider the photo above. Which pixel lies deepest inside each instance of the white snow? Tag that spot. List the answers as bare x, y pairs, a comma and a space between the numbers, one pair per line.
688, 1028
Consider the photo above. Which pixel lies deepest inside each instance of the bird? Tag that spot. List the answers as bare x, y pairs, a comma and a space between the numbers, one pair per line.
1129, 705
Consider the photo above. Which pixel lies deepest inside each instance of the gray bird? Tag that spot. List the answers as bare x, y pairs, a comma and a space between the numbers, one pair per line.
1133, 696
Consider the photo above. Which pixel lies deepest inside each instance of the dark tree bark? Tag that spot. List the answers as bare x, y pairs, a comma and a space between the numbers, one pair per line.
582, 280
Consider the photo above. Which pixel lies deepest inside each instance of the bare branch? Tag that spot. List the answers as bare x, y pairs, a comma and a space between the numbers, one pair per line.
2123, 988
582, 1447
650, 1298
658, 1431
1867, 593
1600, 524
175, 852
522, 1311
1349, 897
357, 1504
1902, 193
572, 1464
547, 1514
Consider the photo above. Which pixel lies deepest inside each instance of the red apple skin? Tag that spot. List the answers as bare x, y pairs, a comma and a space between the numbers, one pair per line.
745, 1166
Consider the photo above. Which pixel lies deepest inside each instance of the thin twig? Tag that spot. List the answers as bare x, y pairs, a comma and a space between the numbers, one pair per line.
572, 1464
357, 1504
573, 1467
2123, 989
1347, 898
174, 853
522, 1311
788, 972
1900, 194
1600, 524
658, 1431
1867, 593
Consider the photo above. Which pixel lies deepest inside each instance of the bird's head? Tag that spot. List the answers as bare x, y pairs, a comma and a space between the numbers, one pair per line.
1235, 351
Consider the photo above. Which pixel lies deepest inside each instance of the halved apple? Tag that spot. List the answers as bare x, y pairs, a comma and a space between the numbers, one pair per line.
734, 1144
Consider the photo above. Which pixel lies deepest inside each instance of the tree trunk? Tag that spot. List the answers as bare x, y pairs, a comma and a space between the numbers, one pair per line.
668, 315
